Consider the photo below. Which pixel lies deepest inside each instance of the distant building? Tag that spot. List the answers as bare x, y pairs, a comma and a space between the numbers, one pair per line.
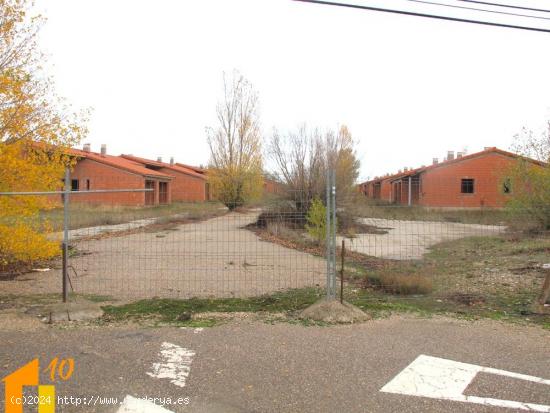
167, 182
273, 186
465, 181
187, 184
94, 171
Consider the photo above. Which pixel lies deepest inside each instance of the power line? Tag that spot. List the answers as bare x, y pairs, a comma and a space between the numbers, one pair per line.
510, 6
431, 16
476, 9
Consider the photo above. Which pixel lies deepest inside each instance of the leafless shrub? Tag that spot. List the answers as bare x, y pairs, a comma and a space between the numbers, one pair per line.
402, 284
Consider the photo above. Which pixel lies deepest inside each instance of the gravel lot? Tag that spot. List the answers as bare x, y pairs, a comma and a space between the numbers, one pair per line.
407, 240
217, 257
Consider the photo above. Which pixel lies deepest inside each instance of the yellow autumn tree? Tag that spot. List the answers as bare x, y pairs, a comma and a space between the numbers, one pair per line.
35, 129
235, 170
529, 182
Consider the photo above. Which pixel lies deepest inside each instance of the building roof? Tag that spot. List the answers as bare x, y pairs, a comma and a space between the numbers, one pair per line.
175, 167
119, 162
193, 168
454, 161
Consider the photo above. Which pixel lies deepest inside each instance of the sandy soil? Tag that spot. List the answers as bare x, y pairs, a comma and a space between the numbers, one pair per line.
217, 258
406, 240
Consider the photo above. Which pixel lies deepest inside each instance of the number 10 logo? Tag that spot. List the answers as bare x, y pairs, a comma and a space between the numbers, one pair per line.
29, 375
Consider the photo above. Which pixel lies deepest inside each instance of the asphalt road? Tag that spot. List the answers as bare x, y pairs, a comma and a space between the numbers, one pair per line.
258, 367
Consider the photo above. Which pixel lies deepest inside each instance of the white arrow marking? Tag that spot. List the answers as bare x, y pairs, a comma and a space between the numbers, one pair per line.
175, 364
444, 379
132, 405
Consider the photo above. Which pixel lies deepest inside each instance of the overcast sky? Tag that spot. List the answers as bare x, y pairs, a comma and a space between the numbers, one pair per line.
408, 88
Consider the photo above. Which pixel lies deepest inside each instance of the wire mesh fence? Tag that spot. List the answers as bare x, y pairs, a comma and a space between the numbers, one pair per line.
124, 243
192, 250
487, 261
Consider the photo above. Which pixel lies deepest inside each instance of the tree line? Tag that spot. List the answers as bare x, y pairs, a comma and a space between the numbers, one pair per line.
299, 158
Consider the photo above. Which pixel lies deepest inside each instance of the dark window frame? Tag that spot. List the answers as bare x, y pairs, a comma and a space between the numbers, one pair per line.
75, 185
507, 186
467, 186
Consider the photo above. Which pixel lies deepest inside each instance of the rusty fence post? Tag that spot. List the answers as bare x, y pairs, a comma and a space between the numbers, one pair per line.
545, 294
343, 254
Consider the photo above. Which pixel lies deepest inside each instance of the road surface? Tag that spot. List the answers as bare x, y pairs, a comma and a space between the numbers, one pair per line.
256, 367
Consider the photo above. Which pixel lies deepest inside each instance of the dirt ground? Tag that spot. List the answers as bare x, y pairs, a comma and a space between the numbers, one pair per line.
409, 240
213, 258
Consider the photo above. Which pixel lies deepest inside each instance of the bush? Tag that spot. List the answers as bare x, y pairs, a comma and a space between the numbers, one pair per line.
403, 284
530, 190
289, 217
317, 221
281, 230
21, 244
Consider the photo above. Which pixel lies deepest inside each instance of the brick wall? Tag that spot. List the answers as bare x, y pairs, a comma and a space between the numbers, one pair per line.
101, 176
385, 190
273, 187
441, 187
185, 187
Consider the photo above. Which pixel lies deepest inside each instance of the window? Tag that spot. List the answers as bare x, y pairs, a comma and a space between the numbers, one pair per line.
467, 186
507, 186
74, 184
87, 184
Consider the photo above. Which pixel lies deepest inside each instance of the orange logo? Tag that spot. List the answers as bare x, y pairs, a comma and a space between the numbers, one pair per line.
29, 375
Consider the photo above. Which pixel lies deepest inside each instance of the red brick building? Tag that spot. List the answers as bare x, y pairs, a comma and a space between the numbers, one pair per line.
95, 171
273, 187
467, 181
187, 184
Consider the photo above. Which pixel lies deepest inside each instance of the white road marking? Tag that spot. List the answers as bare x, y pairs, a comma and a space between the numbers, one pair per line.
133, 405
175, 364
444, 379
195, 330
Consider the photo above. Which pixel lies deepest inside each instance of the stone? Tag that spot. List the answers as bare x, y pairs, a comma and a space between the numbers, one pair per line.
77, 310
334, 312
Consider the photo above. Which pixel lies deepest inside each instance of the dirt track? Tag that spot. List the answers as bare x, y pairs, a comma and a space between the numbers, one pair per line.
217, 257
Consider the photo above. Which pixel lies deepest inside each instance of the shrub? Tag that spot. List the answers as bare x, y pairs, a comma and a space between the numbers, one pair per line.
403, 284
530, 201
281, 230
317, 221
286, 216
22, 244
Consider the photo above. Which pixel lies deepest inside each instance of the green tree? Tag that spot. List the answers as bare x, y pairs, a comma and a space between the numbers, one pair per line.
316, 217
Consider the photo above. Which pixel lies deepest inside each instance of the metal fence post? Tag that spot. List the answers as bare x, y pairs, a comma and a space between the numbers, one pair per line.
333, 210
65, 244
327, 231
331, 234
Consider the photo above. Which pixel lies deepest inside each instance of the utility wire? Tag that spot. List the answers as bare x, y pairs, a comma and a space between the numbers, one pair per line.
476, 9
431, 16
510, 6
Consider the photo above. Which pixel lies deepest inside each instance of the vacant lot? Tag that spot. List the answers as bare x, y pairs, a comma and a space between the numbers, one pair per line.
408, 240
212, 258
469, 269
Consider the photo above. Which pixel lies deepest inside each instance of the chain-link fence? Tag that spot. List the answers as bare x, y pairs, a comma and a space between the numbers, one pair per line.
140, 243
129, 242
471, 260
